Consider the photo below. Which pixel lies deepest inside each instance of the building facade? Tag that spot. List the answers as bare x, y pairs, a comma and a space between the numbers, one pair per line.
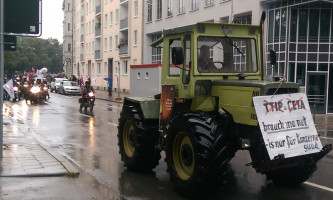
107, 39
67, 7
301, 32
111, 35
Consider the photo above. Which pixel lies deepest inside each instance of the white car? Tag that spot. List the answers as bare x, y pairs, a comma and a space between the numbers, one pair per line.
55, 83
69, 87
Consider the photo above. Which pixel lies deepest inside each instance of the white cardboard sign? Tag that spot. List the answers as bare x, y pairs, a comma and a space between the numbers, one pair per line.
286, 125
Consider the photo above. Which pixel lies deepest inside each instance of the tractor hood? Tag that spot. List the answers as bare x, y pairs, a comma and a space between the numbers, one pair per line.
264, 86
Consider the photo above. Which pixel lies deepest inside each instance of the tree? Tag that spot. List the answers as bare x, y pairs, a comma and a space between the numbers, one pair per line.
36, 53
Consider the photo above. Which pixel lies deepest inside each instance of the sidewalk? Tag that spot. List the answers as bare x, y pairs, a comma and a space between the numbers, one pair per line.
116, 97
23, 156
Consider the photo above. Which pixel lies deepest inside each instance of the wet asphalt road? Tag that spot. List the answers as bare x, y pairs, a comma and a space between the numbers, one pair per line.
89, 140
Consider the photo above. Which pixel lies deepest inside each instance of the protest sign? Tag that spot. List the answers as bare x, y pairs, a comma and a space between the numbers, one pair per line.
286, 125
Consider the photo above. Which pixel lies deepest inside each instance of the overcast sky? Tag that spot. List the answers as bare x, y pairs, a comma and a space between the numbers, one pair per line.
52, 18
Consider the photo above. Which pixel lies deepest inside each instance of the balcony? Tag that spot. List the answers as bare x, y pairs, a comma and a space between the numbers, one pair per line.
123, 49
82, 19
124, 23
97, 54
82, 57
82, 38
98, 9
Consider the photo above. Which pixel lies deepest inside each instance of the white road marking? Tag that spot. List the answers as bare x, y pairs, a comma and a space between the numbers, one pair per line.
327, 138
113, 124
319, 186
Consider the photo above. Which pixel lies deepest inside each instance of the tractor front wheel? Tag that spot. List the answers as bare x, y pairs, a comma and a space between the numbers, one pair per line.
136, 140
197, 154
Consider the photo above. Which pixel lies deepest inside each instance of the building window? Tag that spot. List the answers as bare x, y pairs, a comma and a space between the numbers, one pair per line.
116, 40
135, 38
159, 9
69, 47
106, 20
247, 19
69, 27
156, 52
125, 66
105, 68
181, 6
92, 69
170, 8
111, 18
149, 9
117, 16
110, 40
136, 9
195, 4
105, 44
209, 2
98, 68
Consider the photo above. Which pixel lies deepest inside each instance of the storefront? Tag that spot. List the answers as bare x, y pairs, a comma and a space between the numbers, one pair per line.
301, 32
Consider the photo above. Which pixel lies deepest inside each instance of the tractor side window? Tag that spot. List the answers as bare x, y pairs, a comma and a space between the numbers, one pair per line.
186, 72
202, 87
174, 69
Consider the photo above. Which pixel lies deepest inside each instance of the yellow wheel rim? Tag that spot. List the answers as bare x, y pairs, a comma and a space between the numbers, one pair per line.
183, 156
128, 139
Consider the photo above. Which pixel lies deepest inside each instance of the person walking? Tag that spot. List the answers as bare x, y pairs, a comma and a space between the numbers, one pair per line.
110, 86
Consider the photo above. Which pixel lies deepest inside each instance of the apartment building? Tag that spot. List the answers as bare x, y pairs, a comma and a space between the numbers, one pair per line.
68, 37
107, 39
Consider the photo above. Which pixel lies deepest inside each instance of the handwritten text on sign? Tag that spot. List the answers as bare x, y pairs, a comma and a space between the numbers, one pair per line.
286, 125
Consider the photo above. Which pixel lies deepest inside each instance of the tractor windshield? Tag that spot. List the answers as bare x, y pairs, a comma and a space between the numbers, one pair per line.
226, 55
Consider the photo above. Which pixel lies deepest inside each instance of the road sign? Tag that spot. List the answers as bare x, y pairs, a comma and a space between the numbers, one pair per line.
22, 17
10, 42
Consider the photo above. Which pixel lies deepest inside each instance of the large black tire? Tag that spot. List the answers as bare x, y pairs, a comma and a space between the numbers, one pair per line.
137, 139
287, 176
197, 154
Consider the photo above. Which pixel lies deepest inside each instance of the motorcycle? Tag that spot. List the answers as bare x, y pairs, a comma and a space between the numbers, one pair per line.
87, 101
36, 94
17, 94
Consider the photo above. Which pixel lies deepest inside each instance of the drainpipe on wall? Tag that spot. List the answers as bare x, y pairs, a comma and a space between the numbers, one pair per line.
118, 80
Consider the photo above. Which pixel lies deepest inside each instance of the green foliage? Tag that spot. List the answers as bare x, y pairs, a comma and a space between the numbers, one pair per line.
36, 53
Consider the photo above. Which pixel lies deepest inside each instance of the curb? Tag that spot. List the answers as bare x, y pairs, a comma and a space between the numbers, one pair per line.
64, 162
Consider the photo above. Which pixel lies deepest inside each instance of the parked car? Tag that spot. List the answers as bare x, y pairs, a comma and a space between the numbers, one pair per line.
55, 84
69, 87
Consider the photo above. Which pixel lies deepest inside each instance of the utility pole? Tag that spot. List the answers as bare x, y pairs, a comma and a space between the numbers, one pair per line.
1, 73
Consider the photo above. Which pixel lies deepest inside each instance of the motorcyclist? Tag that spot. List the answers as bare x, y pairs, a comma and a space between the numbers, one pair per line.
86, 89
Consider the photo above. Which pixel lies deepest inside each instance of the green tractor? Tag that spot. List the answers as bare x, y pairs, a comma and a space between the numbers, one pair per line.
205, 111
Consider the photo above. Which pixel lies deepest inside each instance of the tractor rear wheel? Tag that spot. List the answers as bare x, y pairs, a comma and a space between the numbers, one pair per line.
136, 140
197, 154
283, 176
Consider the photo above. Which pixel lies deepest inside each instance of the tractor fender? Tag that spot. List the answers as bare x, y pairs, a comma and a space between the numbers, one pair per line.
149, 106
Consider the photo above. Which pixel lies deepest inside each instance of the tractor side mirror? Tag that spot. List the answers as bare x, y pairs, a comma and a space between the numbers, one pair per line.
177, 55
272, 55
